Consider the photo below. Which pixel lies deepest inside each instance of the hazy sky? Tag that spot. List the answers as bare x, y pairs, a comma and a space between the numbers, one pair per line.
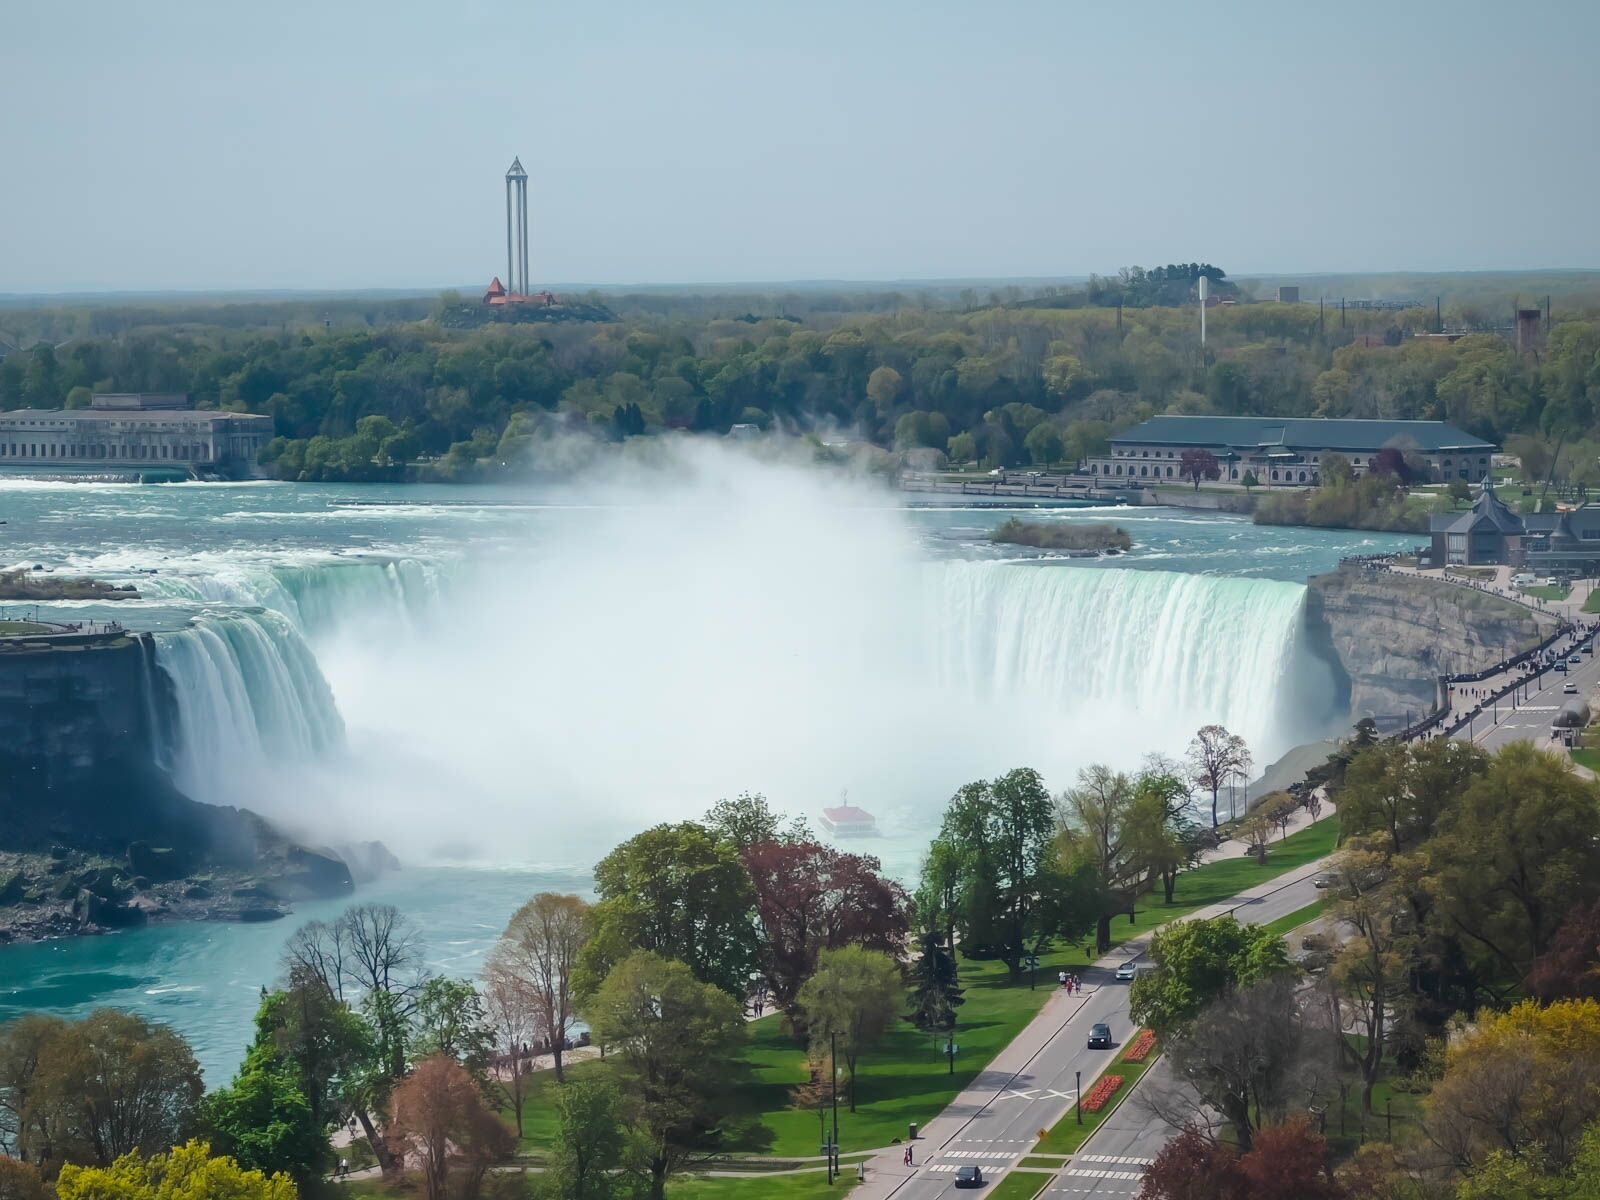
344, 144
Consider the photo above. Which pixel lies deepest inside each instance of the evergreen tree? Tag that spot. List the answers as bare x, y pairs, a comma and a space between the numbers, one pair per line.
935, 988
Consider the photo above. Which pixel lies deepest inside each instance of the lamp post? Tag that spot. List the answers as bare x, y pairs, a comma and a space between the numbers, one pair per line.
833, 1061
1077, 1094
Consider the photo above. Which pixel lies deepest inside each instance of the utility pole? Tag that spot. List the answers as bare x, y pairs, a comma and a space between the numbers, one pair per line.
1077, 1095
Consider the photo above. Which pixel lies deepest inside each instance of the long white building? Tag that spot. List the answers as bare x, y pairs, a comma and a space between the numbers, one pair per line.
122, 431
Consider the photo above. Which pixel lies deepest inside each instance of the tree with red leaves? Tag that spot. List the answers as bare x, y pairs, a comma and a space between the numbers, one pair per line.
439, 1121
1193, 1166
1289, 1162
1570, 968
1391, 461
1197, 465
811, 898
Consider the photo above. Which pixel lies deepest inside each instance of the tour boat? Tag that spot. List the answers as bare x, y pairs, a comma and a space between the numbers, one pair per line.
846, 820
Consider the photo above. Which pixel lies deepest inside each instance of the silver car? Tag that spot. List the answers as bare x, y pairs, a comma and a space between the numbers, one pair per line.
1126, 971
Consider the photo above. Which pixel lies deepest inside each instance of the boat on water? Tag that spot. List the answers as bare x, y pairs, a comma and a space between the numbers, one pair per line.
846, 820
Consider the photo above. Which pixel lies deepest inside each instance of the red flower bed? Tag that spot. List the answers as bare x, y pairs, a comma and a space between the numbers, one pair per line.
1141, 1048
1103, 1091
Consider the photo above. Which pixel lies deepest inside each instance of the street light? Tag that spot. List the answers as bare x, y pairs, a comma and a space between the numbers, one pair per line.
1077, 1095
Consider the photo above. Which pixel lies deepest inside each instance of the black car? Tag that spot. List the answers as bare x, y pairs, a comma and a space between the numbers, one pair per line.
969, 1177
1100, 1036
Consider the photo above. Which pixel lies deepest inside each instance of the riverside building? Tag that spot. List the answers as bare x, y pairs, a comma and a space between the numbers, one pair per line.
1288, 452
133, 431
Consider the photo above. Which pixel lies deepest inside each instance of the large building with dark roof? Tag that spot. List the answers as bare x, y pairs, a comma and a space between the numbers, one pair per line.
1287, 452
132, 431
1490, 533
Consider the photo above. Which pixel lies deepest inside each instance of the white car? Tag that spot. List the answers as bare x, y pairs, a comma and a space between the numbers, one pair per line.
1126, 971
1569, 689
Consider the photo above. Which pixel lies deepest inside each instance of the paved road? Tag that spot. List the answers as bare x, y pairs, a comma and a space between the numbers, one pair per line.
1112, 1162
1536, 707
1032, 1084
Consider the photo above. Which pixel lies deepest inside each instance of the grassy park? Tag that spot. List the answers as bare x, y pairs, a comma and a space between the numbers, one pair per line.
906, 1077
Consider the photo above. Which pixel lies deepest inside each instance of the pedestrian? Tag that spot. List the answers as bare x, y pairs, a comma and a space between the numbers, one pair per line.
1063, 978
908, 1156
344, 1166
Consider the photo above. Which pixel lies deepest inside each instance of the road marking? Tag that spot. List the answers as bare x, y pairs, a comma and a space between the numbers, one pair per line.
1120, 1159
1092, 1173
1001, 1154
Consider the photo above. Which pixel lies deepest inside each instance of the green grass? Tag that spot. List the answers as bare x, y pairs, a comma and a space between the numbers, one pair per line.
1017, 1185
905, 1077
1068, 1135
1592, 604
21, 629
761, 1187
1299, 917
1559, 591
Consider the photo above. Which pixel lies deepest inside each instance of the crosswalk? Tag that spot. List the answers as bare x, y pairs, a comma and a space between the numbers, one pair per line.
1114, 1159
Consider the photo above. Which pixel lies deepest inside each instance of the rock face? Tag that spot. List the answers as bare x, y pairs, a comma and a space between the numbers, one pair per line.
94, 834
1390, 636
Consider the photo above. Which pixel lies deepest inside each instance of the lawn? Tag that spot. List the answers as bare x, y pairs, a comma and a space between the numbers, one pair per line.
1297, 918
1592, 604
906, 1076
1559, 591
761, 1187
1018, 1185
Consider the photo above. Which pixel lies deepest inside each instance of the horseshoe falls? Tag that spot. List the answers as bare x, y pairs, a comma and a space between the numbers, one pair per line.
1166, 650
249, 696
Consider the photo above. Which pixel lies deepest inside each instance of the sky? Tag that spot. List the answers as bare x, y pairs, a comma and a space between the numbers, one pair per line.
180, 144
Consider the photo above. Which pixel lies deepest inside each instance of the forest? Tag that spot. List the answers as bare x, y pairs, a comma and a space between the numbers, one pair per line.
382, 389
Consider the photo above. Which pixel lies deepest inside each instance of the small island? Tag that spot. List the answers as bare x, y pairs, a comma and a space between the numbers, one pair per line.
23, 584
1064, 537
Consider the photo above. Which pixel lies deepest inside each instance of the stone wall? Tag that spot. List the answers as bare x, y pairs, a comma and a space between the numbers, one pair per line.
1390, 636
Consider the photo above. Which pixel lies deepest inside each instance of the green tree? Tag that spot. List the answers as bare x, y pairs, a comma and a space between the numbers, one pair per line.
883, 389
450, 1020
1009, 896
1199, 962
1044, 444
265, 1122
1402, 790
672, 1040
1249, 480
935, 992
855, 997
1100, 836
1519, 850
962, 448
681, 892
592, 1158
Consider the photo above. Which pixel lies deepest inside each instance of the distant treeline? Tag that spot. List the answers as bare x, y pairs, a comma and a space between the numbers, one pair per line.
1001, 379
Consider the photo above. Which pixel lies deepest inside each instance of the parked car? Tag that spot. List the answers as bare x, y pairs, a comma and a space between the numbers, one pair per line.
1560, 668
1126, 971
969, 1177
1100, 1036
1569, 688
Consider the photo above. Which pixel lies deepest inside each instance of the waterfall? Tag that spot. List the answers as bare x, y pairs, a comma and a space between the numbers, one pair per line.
1158, 646
249, 694
393, 594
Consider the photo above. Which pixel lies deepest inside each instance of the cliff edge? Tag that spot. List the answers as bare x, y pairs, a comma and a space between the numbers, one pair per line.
95, 835
1392, 635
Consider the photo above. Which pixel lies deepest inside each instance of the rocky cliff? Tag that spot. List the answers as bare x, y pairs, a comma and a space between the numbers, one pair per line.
1390, 636
94, 835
